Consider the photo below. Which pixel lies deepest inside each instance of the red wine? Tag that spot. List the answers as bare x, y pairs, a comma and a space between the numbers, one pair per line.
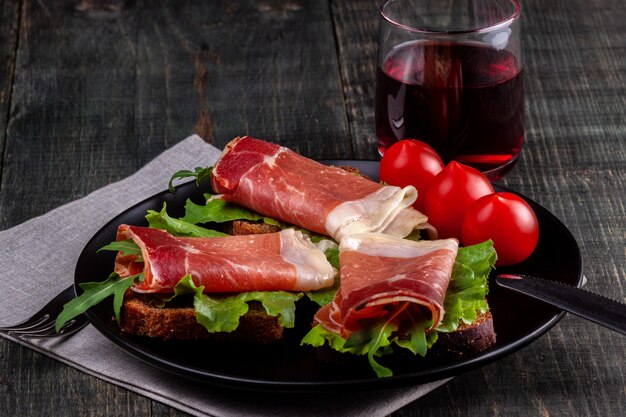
465, 100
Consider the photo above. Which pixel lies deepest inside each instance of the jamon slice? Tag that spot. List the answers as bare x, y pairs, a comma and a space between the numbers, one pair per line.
275, 261
279, 183
384, 276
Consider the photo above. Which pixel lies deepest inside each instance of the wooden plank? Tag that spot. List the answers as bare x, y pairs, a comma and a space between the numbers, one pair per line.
9, 22
356, 27
262, 68
72, 110
98, 92
34, 385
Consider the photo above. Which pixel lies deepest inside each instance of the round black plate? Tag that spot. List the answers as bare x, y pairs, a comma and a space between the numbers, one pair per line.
287, 366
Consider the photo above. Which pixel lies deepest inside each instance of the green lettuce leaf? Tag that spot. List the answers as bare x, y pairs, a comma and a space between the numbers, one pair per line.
94, 293
374, 342
222, 314
178, 227
467, 290
216, 211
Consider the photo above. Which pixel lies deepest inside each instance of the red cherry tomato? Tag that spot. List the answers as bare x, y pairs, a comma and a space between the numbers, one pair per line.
410, 162
508, 221
449, 195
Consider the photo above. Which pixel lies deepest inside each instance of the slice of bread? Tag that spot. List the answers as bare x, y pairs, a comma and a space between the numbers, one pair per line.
467, 340
140, 317
245, 227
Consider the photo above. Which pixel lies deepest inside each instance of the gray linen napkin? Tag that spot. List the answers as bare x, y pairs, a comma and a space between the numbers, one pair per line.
26, 287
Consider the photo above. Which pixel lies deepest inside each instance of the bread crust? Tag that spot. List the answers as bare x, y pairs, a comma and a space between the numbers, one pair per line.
467, 340
246, 227
140, 317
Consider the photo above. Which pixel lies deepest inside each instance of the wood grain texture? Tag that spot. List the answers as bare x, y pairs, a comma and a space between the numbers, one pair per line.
261, 68
9, 21
356, 26
102, 87
90, 90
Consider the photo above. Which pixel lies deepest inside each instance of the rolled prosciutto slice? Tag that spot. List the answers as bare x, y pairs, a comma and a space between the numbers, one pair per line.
276, 261
279, 183
383, 277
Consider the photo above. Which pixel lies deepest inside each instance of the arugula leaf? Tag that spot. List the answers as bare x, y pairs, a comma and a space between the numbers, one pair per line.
177, 227
418, 341
128, 247
366, 342
375, 342
222, 314
201, 175
380, 339
94, 293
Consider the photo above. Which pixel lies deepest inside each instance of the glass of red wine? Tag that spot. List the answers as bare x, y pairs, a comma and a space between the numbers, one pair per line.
450, 73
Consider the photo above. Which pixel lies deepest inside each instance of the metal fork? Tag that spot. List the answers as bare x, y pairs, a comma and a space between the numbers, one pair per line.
41, 324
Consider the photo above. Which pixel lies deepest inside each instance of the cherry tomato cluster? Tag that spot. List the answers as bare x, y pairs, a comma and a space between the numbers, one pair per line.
460, 202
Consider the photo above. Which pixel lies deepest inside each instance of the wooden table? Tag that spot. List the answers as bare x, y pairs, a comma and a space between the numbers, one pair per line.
91, 90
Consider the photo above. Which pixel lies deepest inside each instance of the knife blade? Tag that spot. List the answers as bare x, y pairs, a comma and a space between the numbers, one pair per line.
597, 308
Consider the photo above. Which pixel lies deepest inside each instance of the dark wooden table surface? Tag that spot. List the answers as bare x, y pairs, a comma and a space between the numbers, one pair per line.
91, 90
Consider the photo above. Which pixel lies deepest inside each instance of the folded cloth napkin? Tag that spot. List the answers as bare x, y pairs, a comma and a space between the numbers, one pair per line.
58, 238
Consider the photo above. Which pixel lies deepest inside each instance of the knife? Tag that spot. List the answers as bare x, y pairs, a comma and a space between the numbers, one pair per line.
597, 308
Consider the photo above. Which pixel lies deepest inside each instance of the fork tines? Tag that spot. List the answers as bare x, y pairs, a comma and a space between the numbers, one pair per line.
42, 323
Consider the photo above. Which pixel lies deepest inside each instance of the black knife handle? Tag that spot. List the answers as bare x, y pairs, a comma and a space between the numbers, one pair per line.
597, 308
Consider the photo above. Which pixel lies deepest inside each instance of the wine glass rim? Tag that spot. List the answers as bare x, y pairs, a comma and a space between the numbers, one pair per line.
498, 25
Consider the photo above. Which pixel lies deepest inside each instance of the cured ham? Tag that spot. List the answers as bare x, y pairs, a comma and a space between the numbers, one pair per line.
279, 183
276, 261
384, 276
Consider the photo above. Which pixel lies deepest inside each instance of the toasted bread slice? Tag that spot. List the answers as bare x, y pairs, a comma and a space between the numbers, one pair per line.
467, 340
140, 317
246, 227
353, 170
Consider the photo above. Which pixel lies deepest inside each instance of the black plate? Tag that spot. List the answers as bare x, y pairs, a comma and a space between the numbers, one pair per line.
287, 366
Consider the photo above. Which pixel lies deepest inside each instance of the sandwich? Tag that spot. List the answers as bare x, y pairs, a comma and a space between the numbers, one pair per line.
357, 249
